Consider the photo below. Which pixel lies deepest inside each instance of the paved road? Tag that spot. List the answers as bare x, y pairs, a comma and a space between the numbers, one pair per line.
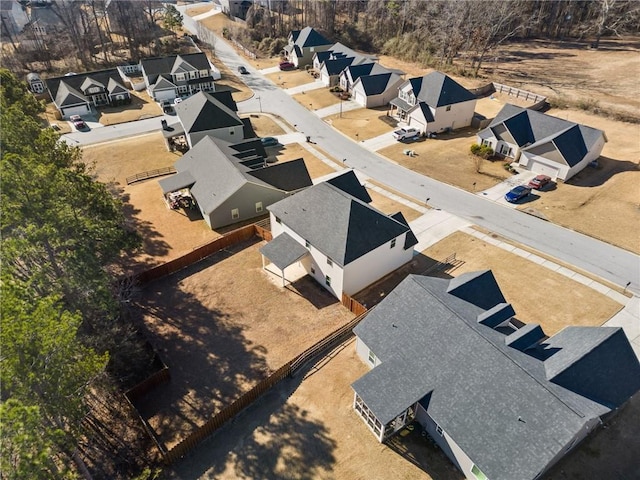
606, 261
599, 258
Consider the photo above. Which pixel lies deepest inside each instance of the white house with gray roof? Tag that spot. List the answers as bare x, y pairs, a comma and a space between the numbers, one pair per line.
434, 103
341, 241
376, 90
177, 75
542, 143
500, 398
232, 182
209, 114
303, 45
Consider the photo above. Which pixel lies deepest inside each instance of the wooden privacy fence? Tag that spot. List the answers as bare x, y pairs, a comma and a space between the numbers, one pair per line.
353, 305
199, 253
263, 229
138, 177
233, 409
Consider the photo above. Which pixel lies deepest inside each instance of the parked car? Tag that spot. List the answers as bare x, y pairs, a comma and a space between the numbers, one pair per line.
177, 100
406, 133
78, 122
242, 70
539, 182
269, 141
286, 66
517, 193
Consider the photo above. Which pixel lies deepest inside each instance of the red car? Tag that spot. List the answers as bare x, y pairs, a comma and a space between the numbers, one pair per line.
539, 182
286, 66
78, 122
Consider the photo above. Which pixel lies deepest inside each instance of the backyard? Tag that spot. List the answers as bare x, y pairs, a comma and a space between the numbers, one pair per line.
216, 345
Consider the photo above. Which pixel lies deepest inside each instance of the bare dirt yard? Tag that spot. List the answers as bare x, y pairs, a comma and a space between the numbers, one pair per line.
315, 99
291, 78
363, 123
221, 326
447, 159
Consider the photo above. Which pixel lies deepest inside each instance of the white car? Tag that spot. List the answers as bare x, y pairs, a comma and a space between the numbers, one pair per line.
177, 100
406, 133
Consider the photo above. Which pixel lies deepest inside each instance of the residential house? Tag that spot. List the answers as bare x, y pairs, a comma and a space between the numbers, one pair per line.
501, 399
376, 90
209, 114
303, 45
78, 93
542, 143
232, 182
337, 237
350, 74
236, 8
434, 103
177, 76
332, 62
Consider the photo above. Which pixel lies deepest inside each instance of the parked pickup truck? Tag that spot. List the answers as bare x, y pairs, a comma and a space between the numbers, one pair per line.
406, 133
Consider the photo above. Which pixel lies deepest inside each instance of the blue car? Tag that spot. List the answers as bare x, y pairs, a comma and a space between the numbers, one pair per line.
269, 141
517, 193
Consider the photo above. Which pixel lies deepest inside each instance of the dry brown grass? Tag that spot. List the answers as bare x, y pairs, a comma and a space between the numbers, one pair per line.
291, 78
264, 126
315, 99
365, 122
447, 159
537, 294
199, 10
141, 106
390, 206
316, 167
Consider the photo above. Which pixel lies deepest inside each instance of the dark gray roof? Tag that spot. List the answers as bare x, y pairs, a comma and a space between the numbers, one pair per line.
70, 85
530, 129
171, 63
375, 84
411, 239
283, 251
494, 401
437, 89
339, 225
335, 66
348, 182
221, 168
308, 37
201, 112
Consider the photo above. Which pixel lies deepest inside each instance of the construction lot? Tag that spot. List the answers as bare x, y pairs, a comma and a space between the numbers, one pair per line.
221, 326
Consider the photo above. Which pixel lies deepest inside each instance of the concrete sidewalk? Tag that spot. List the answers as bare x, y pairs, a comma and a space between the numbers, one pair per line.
629, 319
381, 141
315, 85
343, 106
267, 71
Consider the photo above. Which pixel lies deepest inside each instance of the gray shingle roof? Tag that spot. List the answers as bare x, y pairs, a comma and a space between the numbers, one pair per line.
494, 401
308, 37
201, 112
437, 89
348, 182
283, 251
72, 85
531, 129
220, 169
375, 84
177, 182
339, 225
160, 65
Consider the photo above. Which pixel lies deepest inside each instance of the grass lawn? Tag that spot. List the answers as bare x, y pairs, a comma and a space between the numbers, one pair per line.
316, 99
365, 122
291, 78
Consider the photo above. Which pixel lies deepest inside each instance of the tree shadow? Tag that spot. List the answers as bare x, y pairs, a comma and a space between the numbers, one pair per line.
210, 360
271, 439
606, 169
418, 449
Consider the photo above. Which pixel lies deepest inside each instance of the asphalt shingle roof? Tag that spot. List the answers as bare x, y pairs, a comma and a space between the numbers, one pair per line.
375, 84
283, 251
339, 225
437, 89
308, 37
201, 112
71, 85
494, 401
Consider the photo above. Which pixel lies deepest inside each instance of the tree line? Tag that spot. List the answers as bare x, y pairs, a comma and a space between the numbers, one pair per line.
435, 32
62, 331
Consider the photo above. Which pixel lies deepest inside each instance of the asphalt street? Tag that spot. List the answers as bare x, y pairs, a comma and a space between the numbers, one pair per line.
604, 260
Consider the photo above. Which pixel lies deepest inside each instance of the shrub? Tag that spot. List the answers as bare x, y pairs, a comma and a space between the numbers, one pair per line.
484, 151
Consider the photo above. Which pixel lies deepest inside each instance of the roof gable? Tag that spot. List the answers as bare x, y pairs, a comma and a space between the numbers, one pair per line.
437, 90
287, 176
202, 112
375, 84
348, 182
308, 37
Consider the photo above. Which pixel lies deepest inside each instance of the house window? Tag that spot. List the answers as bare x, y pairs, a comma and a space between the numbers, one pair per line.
258, 207
313, 271
232, 131
439, 429
327, 280
478, 473
180, 77
393, 243
448, 108
235, 213
372, 358
307, 244
183, 89
312, 49
329, 262
278, 220
193, 74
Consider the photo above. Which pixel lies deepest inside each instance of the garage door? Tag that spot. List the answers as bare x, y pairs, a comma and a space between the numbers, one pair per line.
165, 95
541, 168
78, 110
360, 99
416, 124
